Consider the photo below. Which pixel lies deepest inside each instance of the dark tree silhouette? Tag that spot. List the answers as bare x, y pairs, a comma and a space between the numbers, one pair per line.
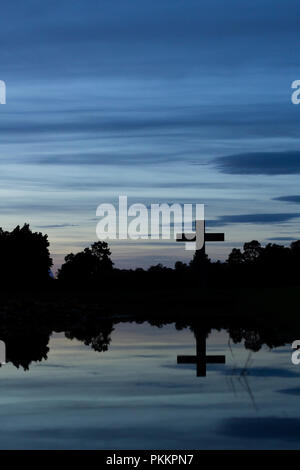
25, 258
200, 261
295, 248
252, 251
236, 257
181, 267
265, 266
158, 268
87, 266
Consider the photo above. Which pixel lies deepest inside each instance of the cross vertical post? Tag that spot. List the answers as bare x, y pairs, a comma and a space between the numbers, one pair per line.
200, 237
201, 359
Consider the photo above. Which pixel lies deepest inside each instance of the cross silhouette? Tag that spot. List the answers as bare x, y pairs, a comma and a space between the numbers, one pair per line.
201, 359
200, 236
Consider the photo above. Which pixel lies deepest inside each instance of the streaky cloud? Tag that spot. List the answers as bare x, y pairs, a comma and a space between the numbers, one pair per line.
275, 218
260, 163
291, 199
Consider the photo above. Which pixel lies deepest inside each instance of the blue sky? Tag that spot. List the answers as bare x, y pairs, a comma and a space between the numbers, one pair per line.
165, 101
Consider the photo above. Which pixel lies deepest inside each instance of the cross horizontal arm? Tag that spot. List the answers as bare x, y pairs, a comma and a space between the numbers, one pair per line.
187, 360
186, 237
215, 359
196, 359
208, 237
214, 237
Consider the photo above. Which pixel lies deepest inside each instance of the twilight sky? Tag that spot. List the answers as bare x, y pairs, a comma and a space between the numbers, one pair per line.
163, 101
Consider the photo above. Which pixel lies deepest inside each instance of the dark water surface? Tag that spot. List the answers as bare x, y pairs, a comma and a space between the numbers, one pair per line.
136, 396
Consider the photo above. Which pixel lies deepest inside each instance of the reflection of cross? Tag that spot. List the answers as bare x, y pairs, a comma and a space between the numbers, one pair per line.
201, 359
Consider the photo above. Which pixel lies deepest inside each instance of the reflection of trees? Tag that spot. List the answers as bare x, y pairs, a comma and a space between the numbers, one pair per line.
21, 352
255, 337
252, 339
96, 336
23, 349
26, 335
27, 342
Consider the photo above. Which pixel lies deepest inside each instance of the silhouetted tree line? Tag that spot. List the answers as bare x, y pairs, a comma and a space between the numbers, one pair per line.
25, 258
87, 266
263, 266
26, 261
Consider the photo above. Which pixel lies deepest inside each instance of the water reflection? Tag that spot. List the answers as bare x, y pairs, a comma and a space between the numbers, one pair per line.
201, 359
27, 338
114, 383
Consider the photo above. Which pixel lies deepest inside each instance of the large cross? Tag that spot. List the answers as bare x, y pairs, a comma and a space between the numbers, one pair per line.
200, 236
201, 359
